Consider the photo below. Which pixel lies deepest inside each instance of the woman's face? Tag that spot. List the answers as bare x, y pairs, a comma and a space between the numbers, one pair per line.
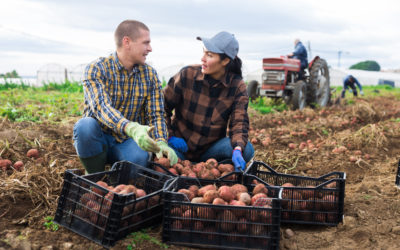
212, 65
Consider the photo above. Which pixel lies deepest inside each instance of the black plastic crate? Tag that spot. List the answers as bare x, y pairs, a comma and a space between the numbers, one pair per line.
220, 226
398, 175
317, 201
159, 168
103, 216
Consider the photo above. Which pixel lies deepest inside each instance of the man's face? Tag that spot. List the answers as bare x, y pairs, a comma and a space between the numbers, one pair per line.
140, 47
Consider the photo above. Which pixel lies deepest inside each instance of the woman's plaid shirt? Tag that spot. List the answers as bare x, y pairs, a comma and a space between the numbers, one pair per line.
202, 110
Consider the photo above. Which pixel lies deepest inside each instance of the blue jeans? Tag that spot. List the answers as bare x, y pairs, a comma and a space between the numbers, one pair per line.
90, 140
222, 150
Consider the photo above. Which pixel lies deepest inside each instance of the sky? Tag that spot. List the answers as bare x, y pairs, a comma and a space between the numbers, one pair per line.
37, 33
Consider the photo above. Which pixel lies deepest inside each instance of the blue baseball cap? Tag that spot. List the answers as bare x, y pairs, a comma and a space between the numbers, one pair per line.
223, 42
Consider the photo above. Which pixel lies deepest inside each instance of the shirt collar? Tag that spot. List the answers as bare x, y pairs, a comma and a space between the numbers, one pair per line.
202, 77
121, 67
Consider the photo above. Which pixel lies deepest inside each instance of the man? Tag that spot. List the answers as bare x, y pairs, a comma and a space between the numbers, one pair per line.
300, 53
124, 112
350, 81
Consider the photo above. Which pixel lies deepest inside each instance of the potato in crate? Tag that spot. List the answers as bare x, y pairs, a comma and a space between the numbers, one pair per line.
221, 214
106, 206
305, 200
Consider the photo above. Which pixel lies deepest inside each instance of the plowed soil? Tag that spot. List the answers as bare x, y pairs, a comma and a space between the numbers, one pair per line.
361, 139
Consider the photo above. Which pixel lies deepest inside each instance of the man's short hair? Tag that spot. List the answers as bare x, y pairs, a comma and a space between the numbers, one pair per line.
129, 28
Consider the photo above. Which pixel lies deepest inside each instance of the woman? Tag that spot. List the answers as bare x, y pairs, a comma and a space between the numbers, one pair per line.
205, 103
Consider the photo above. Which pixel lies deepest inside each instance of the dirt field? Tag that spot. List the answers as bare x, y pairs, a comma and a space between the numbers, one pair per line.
367, 134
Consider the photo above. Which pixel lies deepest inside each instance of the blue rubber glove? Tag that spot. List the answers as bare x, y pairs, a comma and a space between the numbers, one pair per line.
178, 144
238, 160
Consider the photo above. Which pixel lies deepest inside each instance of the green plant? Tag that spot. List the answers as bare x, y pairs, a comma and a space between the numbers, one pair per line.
141, 236
267, 105
49, 224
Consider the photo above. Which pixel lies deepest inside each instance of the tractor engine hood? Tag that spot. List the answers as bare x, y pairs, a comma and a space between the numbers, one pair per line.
281, 63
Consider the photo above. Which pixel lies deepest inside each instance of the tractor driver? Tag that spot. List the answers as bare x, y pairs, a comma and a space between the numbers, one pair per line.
300, 53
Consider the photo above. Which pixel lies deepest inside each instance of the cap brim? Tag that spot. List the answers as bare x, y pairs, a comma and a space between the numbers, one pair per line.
209, 45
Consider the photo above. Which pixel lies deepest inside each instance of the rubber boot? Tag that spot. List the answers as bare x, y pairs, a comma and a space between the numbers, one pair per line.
95, 163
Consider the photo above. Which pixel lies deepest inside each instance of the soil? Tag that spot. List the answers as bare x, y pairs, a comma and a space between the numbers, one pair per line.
367, 133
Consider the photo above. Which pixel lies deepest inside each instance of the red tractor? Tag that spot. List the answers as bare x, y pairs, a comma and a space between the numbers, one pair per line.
282, 79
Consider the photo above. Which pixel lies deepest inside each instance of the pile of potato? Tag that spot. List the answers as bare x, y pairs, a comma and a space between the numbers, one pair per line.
209, 169
304, 204
96, 204
238, 220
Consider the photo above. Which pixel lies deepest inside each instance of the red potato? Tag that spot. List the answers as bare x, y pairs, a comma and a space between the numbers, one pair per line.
178, 167
255, 198
265, 216
188, 215
308, 193
163, 162
198, 168
224, 217
211, 163
226, 168
140, 193
187, 192
216, 173
219, 201
32, 153
173, 171
330, 202
18, 165
260, 188
238, 212
176, 211
210, 195
292, 145
226, 193
242, 225
238, 188
4, 164
177, 224
206, 174
155, 200
99, 191
205, 213
194, 189
204, 189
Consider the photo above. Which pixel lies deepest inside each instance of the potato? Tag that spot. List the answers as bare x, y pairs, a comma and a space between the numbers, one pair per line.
242, 225
225, 192
198, 168
176, 224
238, 188
99, 191
198, 226
238, 212
86, 197
308, 193
219, 201
198, 200
330, 202
206, 174
18, 165
244, 197
188, 215
163, 162
153, 201
189, 194
256, 198
204, 189
176, 211
173, 171
223, 218
226, 168
210, 195
140, 193
260, 188
205, 213
265, 216
194, 189
32, 153
215, 172
4, 164
186, 163
211, 163
178, 167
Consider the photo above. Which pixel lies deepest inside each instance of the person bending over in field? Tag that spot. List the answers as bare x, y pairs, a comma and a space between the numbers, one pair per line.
123, 116
351, 82
205, 103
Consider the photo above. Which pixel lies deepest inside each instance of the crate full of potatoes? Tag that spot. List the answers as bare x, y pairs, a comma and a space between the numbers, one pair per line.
106, 206
305, 200
220, 214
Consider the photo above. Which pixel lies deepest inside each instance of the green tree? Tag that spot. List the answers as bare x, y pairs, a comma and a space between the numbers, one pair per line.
12, 74
367, 65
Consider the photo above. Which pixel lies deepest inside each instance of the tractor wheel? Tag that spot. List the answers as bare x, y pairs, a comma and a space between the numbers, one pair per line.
298, 98
252, 90
319, 93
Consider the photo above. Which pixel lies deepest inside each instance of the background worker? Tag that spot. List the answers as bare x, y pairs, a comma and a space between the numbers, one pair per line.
205, 103
123, 116
300, 53
351, 82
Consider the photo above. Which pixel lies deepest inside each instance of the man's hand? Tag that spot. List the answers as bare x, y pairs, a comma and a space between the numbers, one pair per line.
178, 144
238, 160
169, 152
140, 134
